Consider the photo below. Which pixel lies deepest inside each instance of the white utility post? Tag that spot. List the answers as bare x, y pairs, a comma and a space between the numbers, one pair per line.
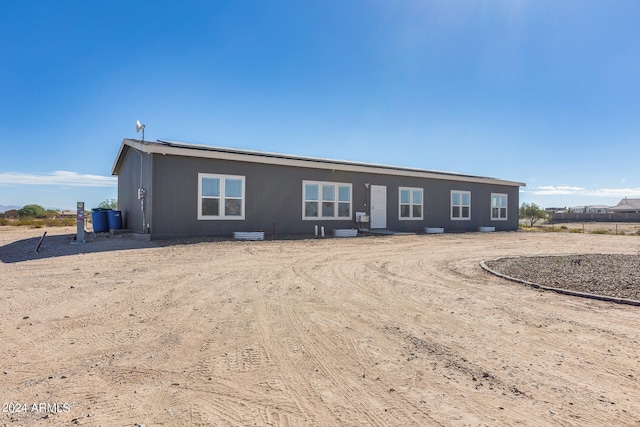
80, 222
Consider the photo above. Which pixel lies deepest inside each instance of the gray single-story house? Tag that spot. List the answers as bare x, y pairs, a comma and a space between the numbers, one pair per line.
626, 205
174, 189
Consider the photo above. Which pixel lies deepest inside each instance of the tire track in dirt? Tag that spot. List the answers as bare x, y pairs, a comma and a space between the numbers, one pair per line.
230, 404
450, 359
212, 342
298, 345
409, 305
286, 347
355, 410
346, 336
143, 343
286, 351
244, 354
521, 315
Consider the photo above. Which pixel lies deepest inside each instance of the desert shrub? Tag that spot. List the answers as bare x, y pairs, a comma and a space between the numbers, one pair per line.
60, 222
563, 227
532, 213
551, 229
39, 223
600, 231
575, 230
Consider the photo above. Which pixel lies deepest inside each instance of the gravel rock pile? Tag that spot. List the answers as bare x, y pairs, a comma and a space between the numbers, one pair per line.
610, 275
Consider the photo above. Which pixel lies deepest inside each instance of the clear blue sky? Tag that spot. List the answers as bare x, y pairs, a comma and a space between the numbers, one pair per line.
543, 92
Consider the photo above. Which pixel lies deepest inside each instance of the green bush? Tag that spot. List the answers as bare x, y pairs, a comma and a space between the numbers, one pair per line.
30, 211
108, 204
601, 231
532, 213
575, 230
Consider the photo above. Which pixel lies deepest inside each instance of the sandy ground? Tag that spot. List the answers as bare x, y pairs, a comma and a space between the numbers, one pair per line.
379, 331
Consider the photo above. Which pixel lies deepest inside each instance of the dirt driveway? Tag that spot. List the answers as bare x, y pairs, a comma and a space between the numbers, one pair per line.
379, 331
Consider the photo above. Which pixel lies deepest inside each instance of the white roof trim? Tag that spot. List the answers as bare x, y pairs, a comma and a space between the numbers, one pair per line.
232, 154
114, 167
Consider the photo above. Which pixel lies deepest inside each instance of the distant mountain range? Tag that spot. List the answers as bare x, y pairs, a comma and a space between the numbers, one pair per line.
4, 208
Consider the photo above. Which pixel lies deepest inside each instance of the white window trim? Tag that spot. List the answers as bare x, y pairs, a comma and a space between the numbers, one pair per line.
222, 216
335, 217
411, 204
506, 197
451, 206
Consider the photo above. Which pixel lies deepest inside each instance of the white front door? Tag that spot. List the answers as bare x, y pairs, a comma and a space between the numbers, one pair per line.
378, 206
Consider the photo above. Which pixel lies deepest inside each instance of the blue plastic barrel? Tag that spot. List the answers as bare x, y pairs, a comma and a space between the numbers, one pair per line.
114, 218
100, 221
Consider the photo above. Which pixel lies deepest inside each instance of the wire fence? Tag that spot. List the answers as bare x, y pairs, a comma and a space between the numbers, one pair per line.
596, 217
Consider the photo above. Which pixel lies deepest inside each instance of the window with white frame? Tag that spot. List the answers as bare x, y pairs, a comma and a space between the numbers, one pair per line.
326, 200
498, 206
460, 204
220, 196
410, 203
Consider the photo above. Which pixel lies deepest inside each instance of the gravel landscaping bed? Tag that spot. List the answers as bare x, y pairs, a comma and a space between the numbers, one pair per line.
609, 275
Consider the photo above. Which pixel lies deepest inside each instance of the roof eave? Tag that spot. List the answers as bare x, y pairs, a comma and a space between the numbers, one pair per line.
117, 163
181, 149
124, 148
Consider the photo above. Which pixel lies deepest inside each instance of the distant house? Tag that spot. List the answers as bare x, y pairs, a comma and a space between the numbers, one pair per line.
589, 209
11, 214
554, 210
597, 209
172, 189
626, 206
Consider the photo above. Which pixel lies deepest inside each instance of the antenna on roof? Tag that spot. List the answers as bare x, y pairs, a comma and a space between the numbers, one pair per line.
140, 127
